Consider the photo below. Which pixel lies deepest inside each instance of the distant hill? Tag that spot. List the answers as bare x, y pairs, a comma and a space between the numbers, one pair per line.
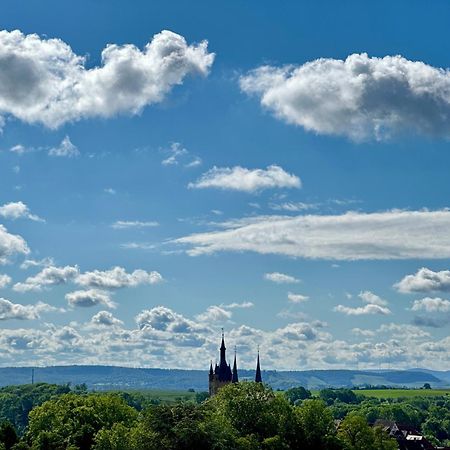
111, 377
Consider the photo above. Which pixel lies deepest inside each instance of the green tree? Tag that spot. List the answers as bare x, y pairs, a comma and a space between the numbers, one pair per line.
317, 423
73, 420
356, 434
252, 409
200, 397
295, 394
8, 435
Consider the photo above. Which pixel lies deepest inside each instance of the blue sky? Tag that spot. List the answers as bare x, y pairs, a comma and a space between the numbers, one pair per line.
279, 171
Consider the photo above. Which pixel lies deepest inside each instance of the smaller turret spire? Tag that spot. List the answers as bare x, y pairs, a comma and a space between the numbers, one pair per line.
258, 378
234, 378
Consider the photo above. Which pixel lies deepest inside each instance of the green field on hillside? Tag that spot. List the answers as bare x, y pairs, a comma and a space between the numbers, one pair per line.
401, 393
164, 396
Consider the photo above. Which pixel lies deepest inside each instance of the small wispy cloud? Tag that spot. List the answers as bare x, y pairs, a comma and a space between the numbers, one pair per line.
280, 278
125, 224
179, 155
66, 149
297, 298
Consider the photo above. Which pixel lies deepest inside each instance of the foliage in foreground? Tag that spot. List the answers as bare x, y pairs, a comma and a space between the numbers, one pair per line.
247, 416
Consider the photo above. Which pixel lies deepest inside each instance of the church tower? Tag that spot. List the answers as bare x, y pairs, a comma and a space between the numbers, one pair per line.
222, 374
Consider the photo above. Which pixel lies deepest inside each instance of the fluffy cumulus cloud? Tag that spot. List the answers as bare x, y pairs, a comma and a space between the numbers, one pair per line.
44, 81
214, 314
359, 97
247, 180
49, 276
363, 310
350, 236
431, 305
89, 297
373, 305
4, 280
105, 318
17, 210
65, 150
371, 298
425, 280
117, 277
280, 278
161, 334
164, 319
10, 310
11, 245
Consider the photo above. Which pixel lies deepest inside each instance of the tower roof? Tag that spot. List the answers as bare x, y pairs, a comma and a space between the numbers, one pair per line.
234, 377
258, 378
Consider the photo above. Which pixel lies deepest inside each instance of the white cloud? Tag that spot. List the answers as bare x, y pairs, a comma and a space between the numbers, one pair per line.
161, 318
110, 191
117, 277
105, 318
65, 150
370, 297
280, 278
45, 262
20, 149
18, 210
293, 206
44, 81
362, 310
179, 155
247, 180
49, 276
9, 310
124, 224
175, 152
90, 297
374, 305
425, 280
297, 298
243, 305
360, 97
363, 332
431, 305
11, 245
350, 236
162, 335
214, 314
4, 280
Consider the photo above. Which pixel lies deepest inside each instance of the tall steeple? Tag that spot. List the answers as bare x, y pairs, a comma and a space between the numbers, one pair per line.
258, 378
223, 361
234, 378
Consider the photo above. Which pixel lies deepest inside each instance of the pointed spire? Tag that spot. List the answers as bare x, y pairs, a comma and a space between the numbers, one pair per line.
235, 378
223, 361
258, 378
211, 372
222, 347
